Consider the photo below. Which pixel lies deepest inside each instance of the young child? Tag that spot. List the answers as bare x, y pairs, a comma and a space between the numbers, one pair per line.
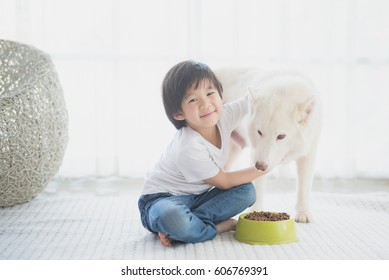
187, 196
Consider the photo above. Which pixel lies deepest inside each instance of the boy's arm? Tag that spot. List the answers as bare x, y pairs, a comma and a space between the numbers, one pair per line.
226, 180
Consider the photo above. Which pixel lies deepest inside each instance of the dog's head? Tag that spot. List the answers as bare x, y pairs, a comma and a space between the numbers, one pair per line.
282, 110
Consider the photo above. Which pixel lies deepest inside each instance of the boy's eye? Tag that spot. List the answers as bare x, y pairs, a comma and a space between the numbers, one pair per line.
192, 100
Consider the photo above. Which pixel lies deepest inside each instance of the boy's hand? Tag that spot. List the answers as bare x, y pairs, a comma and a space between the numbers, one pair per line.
226, 180
261, 166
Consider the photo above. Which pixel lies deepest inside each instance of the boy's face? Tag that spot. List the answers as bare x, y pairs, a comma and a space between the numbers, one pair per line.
201, 107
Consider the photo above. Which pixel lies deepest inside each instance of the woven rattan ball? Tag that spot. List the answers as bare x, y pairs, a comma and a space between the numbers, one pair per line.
33, 122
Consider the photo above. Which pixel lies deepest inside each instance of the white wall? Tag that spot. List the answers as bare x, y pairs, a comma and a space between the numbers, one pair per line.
111, 56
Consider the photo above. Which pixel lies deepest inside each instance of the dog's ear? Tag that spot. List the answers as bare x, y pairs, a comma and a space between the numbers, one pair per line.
305, 110
250, 94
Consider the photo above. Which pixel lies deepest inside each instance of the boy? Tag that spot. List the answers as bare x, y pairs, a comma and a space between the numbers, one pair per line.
187, 196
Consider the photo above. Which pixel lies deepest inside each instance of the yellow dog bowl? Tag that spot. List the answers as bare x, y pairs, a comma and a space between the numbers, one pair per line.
265, 232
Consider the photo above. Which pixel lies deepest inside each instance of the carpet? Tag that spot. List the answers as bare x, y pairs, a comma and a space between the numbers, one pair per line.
99, 220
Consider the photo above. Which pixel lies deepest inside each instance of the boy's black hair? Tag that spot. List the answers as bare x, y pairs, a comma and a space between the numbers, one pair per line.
178, 80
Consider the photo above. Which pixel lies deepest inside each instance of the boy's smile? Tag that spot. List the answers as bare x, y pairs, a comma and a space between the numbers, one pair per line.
208, 114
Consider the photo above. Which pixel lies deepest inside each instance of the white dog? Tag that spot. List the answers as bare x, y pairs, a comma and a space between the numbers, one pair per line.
283, 126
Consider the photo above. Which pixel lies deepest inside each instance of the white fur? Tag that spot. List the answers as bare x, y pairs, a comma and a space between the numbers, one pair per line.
284, 104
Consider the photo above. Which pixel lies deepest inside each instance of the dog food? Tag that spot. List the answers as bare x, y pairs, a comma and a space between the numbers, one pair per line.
267, 216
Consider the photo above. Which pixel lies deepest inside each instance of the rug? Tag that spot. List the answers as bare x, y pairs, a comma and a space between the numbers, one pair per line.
99, 220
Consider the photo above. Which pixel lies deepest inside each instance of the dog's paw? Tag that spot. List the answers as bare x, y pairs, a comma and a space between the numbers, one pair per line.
303, 217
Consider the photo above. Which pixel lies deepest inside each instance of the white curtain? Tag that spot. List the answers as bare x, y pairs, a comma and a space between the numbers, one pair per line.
111, 56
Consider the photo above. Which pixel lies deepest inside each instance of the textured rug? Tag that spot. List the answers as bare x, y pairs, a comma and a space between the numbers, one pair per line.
99, 220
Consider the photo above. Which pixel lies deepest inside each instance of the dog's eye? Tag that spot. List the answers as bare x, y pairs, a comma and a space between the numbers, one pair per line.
281, 136
259, 132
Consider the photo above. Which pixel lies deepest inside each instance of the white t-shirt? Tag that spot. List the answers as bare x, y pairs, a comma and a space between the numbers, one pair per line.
190, 159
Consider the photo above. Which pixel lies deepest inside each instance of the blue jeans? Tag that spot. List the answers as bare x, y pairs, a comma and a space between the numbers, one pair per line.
193, 218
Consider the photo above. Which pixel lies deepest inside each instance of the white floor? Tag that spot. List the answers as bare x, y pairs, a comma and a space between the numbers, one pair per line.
99, 219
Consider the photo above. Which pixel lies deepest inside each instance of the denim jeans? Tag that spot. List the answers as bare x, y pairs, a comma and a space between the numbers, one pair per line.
193, 218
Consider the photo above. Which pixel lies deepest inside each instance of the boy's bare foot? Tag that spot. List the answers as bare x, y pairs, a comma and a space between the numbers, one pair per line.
227, 225
166, 241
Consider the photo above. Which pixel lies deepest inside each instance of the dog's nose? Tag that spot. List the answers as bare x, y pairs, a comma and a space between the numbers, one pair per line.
261, 166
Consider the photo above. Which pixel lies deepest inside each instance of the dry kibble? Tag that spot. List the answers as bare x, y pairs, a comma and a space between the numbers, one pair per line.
267, 216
